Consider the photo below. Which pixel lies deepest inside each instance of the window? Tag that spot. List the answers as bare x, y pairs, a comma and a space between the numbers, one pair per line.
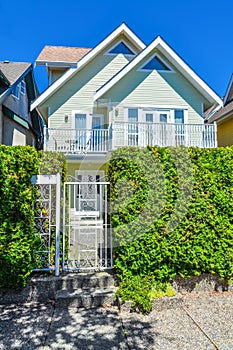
23, 87
155, 63
15, 91
132, 126
179, 116
149, 117
180, 127
163, 117
122, 48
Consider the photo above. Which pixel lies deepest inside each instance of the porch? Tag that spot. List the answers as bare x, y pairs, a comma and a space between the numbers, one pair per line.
119, 134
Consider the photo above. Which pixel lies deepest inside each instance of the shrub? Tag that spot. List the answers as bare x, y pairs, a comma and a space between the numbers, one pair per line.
17, 239
172, 212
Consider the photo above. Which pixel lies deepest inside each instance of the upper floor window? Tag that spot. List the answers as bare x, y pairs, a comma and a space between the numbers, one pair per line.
155, 63
23, 87
179, 116
122, 48
15, 91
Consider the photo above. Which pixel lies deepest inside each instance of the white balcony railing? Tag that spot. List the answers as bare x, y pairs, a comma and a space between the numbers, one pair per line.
164, 134
74, 141
79, 141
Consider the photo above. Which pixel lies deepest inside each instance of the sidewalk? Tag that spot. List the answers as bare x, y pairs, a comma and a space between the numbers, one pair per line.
204, 321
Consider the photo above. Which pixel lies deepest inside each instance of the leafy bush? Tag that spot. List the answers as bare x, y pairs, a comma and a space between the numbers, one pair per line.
142, 290
172, 212
17, 239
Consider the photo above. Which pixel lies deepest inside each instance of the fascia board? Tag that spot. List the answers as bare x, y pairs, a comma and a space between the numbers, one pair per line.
190, 74
5, 94
52, 88
228, 90
10, 89
125, 70
59, 64
90, 55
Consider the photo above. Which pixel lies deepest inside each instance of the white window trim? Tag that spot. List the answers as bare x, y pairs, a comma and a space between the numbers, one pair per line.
101, 116
16, 96
115, 54
171, 70
87, 113
143, 110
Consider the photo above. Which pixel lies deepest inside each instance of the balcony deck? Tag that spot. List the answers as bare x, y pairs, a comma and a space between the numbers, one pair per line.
119, 134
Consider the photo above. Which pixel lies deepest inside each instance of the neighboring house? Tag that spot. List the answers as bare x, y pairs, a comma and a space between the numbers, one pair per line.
223, 117
18, 125
120, 93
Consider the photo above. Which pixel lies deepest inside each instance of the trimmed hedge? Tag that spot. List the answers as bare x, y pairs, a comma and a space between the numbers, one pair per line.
17, 240
172, 212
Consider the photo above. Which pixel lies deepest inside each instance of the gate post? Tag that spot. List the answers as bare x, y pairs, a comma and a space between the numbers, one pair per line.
58, 223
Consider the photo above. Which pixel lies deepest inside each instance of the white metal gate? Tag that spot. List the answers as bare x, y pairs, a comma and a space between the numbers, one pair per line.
87, 237
47, 221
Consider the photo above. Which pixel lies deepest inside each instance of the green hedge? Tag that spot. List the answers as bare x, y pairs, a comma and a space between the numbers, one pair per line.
17, 241
172, 212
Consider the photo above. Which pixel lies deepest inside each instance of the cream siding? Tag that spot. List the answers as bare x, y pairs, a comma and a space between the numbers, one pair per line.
156, 89
78, 92
54, 74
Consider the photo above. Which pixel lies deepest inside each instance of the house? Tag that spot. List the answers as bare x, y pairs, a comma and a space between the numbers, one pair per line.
119, 93
18, 125
223, 117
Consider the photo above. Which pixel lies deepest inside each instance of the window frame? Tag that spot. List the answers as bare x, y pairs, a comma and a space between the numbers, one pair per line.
169, 70
125, 54
16, 88
23, 87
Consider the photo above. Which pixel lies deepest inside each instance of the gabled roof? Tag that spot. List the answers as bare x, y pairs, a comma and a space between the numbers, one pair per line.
171, 55
14, 73
52, 54
4, 79
222, 113
227, 109
13, 70
122, 29
229, 93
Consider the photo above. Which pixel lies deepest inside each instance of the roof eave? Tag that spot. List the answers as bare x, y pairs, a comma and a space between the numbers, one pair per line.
10, 89
84, 60
60, 64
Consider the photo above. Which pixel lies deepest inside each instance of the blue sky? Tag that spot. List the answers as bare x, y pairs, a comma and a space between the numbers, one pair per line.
199, 31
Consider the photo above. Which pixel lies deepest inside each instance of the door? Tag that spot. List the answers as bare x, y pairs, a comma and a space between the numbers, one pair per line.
97, 131
132, 132
155, 129
82, 125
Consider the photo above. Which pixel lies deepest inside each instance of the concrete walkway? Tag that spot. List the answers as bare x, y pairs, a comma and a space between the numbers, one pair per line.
204, 321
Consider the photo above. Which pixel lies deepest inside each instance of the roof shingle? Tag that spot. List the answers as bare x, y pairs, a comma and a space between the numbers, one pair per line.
62, 54
222, 112
13, 70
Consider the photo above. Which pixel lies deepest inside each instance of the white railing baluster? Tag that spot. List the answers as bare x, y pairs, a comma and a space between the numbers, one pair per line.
72, 141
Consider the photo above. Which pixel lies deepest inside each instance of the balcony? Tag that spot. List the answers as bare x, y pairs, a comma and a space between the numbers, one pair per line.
119, 134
